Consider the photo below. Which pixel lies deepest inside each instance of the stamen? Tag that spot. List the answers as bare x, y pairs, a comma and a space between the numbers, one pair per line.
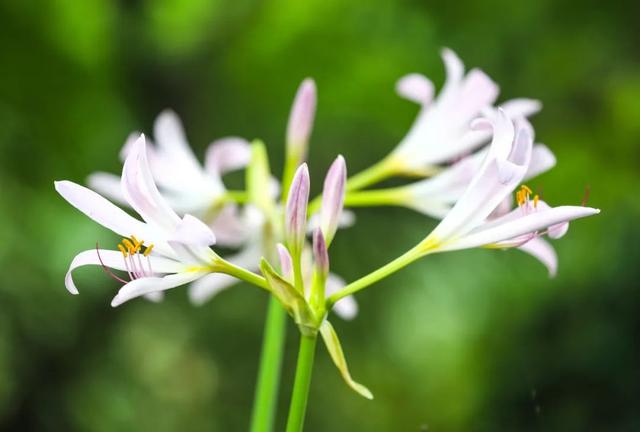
123, 250
105, 268
536, 198
129, 245
148, 250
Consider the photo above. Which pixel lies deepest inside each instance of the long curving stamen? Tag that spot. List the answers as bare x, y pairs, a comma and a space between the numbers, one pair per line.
106, 269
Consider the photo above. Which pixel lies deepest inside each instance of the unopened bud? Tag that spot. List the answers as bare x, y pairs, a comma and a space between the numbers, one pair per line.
286, 263
296, 210
301, 118
320, 254
333, 198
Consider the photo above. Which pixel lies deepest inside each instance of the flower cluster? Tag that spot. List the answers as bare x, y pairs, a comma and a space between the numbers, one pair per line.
470, 155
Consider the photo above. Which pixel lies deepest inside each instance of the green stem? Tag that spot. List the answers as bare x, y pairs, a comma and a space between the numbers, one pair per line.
374, 174
265, 399
380, 197
300, 394
242, 274
373, 277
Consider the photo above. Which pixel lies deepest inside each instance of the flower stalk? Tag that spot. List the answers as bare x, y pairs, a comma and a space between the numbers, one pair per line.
299, 397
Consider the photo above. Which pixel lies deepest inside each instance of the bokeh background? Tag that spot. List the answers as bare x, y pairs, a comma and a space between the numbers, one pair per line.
469, 341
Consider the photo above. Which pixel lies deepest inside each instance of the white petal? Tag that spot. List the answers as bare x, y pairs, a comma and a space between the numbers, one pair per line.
207, 287
192, 231
107, 185
148, 285
230, 227
227, 154
172, 141
521, 107
542, 159
347, 307
517, 227
544, 252
416, 88
141, 192
477, 92
115, 260
102, 210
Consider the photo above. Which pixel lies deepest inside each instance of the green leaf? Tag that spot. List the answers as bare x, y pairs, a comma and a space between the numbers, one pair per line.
337, 355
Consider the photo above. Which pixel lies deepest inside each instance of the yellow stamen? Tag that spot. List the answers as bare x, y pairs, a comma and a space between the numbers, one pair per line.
536, 198
129, 246
122, 249
526, 188
148, 250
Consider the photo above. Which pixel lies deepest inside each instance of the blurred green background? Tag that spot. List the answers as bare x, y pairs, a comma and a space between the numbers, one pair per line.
469, 341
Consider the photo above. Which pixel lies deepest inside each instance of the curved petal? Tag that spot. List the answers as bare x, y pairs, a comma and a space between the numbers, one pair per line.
108, 185
115, 260
521, 107
543, 252
192, 231
416, 88
149, 285
478, 91
141, 192
542, 159
516, 227
102, 210
230, 227
208, 286
227, 154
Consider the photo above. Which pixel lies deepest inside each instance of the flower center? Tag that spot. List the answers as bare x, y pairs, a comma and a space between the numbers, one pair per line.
132, 253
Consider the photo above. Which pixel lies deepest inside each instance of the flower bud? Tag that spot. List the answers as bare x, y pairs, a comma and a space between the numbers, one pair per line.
296, 210
301, 119
333, 198
286, 263
320, 255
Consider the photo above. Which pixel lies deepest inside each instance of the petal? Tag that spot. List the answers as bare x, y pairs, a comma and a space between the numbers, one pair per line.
230, 227
141, 192
477, 92
544, 252
227, 154
286, 262
148, 285
347, 307
516, 227
521, 107
416, 88
542, 159
115, 260
171, 140
102, 210
208, 286
192, 231
337, 355
108, 185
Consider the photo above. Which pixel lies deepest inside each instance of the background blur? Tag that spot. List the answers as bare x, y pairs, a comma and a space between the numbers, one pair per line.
470, 341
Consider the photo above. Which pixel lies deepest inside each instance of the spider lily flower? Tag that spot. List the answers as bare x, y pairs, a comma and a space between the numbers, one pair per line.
469, 225
440, 132
161, 252
187, 186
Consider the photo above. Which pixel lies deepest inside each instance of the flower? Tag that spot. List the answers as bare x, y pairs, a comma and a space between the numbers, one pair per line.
470, 223
441, 133
171, 251
186, 185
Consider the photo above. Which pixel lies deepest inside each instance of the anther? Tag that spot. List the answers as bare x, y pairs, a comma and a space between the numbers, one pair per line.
148, 250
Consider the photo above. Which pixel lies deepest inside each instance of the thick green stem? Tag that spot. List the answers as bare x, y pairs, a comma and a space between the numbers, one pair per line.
379, 197
374, 174
266, 396
300, 394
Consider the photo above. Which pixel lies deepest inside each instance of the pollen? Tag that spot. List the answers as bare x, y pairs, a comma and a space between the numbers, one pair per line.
127, 243
123, 250
522, 196
148, 250
536, 198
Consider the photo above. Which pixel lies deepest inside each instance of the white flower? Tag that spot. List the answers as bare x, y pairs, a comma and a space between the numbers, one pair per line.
163, 252
441, 130
469, 223
185, 184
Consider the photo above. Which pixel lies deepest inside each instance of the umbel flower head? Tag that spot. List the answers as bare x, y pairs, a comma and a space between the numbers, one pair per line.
160, 252
304, 283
